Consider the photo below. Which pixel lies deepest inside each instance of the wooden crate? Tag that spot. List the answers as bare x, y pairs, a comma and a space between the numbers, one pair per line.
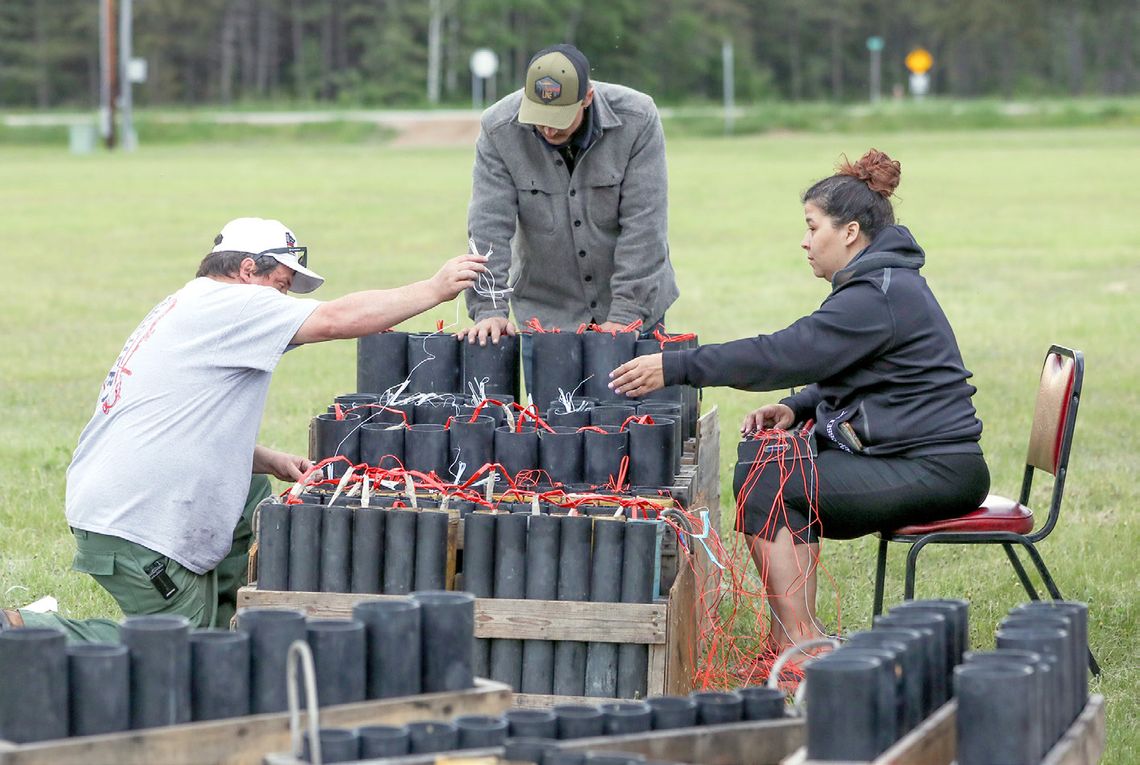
245, 740
746, 743
667, 626
934, 742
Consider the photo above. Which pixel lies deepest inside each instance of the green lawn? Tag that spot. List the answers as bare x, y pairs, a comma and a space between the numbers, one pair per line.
1032, 237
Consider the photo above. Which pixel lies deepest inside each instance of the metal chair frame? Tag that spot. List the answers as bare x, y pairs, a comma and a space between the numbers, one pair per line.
1006, 539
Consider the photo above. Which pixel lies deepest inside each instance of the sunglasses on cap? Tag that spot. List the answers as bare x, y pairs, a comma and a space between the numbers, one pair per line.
301, 253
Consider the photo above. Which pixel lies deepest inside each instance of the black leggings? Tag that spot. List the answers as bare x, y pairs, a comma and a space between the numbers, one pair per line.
854, 494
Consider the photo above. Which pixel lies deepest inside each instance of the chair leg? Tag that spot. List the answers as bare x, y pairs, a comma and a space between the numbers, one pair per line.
880, 578
1046, 577
911, 567
1020, 571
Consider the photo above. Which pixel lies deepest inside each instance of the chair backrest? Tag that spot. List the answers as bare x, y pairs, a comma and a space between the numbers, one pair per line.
1054, 418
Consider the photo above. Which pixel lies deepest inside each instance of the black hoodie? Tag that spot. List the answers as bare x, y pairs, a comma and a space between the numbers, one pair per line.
878, 354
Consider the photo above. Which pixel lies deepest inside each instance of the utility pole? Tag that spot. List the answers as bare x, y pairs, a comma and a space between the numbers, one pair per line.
126, 22
108, 70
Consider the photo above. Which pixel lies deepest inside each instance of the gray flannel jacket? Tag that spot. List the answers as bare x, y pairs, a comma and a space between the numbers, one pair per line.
587, 247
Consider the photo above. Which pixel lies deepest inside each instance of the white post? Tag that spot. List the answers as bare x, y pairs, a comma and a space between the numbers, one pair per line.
435, 28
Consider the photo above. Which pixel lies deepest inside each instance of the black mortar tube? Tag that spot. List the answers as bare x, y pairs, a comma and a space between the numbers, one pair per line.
542, 546
273, 547
560, 454
431, 550
33, 704
851, 717
368, 549
479, 574
603, 454
602, 353
381, 361
447, 635
305, 547
399, 552
639, 559
426, 449
382, 444
433, 363
995, 721
339, 648
394, 644
480, 731
493, 368
160, 669
573, 584
99, 687
605, 587
472, 443
516, 451
330, 437
219, 674
383, 741
557, 360
651, 452
336, 548
510, 582
271, 632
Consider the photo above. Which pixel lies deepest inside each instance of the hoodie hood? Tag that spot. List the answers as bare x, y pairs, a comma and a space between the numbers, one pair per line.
894, 247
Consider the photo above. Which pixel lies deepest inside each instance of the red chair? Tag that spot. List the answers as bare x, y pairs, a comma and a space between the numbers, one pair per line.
1004, 521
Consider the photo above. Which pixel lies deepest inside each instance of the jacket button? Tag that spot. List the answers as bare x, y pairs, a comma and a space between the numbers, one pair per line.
573, 192
534, 191
558, 162
593, 303
581, 253
589, 278
577, 223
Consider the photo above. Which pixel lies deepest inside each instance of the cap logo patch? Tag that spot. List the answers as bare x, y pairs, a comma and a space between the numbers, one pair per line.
289, 240
547, 89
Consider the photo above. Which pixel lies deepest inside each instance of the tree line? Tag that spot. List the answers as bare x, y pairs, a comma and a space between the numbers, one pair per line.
377, 53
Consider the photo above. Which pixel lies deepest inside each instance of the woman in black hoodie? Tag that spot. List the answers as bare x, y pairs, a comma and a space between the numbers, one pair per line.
884, 386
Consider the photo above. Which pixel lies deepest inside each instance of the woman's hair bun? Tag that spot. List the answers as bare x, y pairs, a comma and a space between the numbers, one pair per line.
876, 169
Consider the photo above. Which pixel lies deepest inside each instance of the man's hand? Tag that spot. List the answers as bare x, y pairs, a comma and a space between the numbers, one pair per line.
779, 416
456, 275
611, 326
638, 376
493, 327
287, 467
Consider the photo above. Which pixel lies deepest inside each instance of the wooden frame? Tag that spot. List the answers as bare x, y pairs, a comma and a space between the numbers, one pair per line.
246, 740
934, 742
763, 742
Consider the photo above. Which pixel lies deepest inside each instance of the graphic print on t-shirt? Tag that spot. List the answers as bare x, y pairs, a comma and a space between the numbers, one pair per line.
112, 386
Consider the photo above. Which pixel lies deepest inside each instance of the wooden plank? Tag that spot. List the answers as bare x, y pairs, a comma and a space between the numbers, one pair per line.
1084, 741
246, 740
502, 617
681, 630
933, 742
749, 743
546, 701
658, 669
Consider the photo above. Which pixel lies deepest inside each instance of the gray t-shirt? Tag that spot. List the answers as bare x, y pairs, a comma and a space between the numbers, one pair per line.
166, 459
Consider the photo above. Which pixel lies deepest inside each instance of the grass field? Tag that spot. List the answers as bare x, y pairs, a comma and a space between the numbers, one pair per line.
1032, 237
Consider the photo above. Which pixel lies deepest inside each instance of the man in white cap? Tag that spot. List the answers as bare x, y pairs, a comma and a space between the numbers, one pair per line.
571, 174
156, 486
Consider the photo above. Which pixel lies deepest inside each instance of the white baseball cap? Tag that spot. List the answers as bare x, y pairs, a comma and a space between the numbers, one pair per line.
262, 236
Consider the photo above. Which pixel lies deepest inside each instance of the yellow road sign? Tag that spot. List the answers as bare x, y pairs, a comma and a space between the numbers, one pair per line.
919, 61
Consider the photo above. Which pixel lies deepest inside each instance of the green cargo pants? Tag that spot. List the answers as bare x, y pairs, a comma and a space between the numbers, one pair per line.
207, 600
